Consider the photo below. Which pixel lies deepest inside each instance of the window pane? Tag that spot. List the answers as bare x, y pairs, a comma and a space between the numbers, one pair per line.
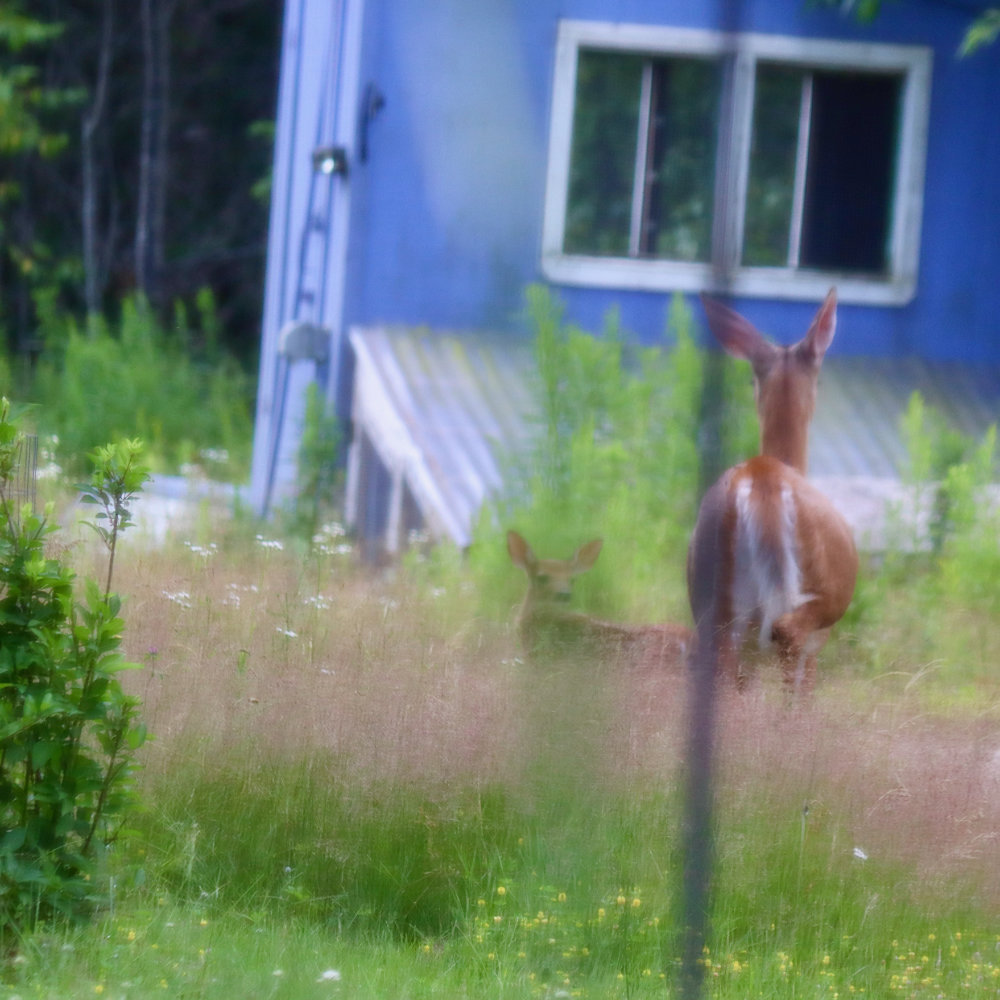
602, 162
771, 181
852, 154
677, 221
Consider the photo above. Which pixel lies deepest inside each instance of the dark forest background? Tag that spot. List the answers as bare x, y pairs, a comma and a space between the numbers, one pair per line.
135, 155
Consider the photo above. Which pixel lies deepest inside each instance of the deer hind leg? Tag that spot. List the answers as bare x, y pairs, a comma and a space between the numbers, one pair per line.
798, 645
731, 665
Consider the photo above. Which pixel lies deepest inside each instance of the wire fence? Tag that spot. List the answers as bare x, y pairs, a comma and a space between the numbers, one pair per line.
21, 486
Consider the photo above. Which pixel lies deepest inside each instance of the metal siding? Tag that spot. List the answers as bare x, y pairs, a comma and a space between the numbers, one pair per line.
445, 226
448, 406
278, 243
308, 234
455, 187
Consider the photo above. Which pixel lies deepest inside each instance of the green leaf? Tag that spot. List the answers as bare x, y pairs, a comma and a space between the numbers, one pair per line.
43, 752
983, 31
13, 840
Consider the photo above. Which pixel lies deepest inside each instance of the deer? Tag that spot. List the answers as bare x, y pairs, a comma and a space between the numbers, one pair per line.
546, 623
769, 550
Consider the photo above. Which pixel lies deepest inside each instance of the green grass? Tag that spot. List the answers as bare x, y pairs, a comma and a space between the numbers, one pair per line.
357, 775
173, 951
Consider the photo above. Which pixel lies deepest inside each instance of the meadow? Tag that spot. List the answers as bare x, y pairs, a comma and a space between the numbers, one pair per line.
358, 786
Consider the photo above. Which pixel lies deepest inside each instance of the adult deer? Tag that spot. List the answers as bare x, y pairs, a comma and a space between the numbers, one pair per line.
769, 550
546, 624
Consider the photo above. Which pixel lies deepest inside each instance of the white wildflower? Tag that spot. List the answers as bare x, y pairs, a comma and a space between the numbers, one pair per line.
219, 455
49, 470
181, 597
205, 551
326, 540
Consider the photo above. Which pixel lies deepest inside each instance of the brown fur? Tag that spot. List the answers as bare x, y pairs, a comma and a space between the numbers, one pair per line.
748, 507
546, 624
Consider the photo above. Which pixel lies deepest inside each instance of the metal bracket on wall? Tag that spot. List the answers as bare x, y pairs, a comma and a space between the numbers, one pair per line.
372, 102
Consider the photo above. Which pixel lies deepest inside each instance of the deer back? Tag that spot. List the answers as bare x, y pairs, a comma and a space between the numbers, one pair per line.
768, 548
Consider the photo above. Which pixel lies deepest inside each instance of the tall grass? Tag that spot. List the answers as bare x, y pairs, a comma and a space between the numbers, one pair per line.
929, 604
358, 775
359, 786
615, 454
129, 377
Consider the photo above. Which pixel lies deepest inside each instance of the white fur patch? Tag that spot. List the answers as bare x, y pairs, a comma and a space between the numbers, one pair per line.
767, 579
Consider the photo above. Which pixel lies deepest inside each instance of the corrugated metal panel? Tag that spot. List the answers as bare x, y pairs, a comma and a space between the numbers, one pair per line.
856, 430
440, 408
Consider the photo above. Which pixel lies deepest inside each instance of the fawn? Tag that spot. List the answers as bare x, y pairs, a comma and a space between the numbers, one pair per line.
768, 549
546, 623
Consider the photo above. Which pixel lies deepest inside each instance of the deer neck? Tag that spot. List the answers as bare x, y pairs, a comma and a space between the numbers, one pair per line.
792, 449
784, 413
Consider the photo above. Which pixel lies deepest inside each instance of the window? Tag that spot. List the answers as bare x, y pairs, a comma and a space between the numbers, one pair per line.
825, 143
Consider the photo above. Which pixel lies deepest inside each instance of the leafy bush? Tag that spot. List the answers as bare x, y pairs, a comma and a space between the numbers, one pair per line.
68, 731
617, 453
133, 379
933, 599
319, 470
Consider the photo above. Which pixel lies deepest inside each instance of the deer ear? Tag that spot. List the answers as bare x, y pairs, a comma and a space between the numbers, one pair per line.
820, 334
520, 551
586, 555
737, 335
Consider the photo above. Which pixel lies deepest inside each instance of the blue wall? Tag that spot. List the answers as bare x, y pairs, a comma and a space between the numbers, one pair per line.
447, 212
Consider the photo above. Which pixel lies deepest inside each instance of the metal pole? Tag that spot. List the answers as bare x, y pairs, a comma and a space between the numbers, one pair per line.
697, 833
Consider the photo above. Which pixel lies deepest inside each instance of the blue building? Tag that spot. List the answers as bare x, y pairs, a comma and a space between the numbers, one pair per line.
434, 157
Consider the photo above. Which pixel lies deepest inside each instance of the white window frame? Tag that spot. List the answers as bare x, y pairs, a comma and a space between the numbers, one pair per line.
628, 273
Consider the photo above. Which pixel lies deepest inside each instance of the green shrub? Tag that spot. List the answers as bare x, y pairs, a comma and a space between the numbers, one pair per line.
319, 470
131, 378
933, 600
616, 454
391, 860
68, 731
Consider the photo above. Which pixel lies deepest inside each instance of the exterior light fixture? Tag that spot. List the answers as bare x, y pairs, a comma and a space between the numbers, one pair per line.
329, 160
300, 340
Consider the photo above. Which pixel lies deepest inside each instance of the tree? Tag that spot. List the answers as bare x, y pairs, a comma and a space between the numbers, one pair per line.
22, 127
983, 29
94, 269
30, 133
154, 21
160, 151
